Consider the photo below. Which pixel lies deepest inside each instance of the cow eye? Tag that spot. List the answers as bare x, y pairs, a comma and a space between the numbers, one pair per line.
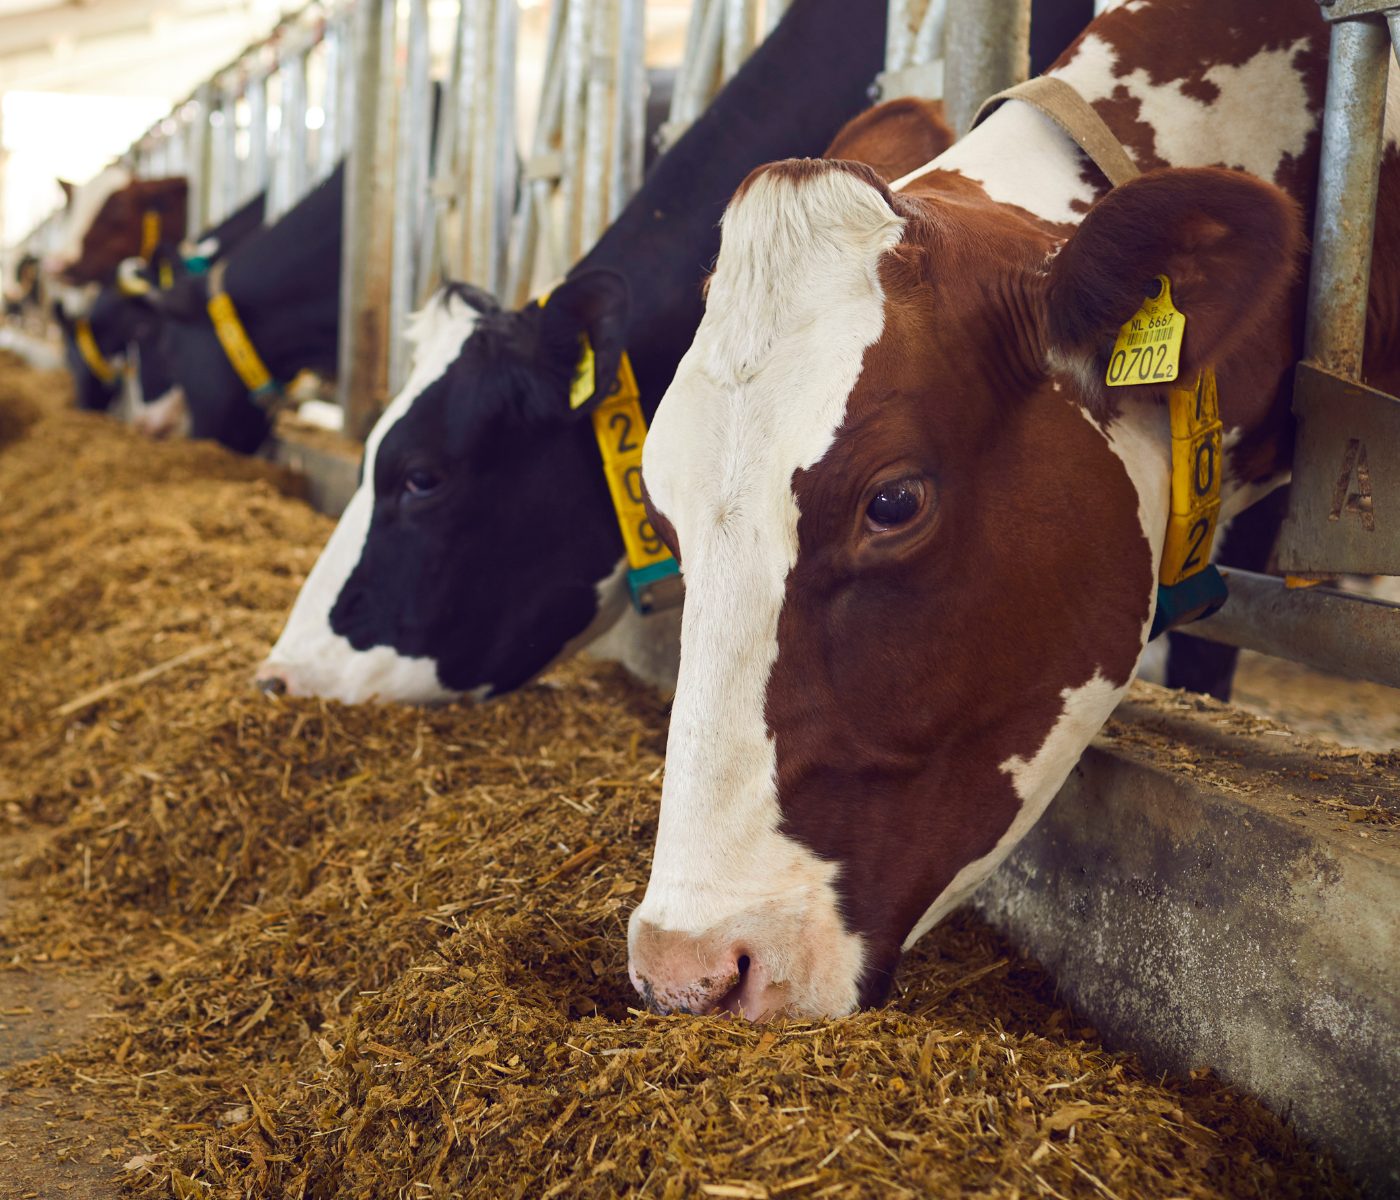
894, 504
419, 481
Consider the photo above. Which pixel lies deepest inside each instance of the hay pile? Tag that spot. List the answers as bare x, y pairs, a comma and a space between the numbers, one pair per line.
379, 952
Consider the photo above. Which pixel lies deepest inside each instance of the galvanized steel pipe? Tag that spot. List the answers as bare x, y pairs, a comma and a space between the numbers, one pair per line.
410, 188
1319, 626
1352, 135
987, 48
368, 225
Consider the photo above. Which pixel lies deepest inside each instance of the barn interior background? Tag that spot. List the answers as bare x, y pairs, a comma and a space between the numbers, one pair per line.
493, 141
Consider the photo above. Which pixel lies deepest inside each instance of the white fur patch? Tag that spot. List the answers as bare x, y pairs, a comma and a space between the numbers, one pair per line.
1259, 118
82, 212
1020, 157
314, 659
167, 416
794, 303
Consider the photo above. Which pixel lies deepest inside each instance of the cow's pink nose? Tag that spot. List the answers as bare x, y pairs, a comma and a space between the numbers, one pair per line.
677, 972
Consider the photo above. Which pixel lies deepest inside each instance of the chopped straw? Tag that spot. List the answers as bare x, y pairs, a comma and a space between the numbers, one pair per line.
380, 952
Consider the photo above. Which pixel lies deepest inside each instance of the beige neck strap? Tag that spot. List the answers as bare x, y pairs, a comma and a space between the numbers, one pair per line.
1076, 116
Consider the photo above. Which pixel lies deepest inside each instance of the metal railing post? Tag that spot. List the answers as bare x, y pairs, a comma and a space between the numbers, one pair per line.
293, 166
329, 136
987, 50
740, 26
1352, 123
543, 168
254, 176
224, 130
198, 159
366, 252
914, 49
601, 68
410, 187
632, 106
1344, 505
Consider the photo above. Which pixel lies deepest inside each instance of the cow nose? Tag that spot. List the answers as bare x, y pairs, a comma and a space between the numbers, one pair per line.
272, 680
678, 972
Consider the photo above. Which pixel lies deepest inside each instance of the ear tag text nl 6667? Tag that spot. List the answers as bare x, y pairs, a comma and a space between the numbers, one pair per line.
1148, 349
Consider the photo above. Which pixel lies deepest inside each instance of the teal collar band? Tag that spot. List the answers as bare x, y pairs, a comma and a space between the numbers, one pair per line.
655, 587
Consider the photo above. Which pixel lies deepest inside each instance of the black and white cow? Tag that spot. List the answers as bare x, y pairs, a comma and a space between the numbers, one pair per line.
482, 544
161, 409
128, 331
284, 280
91, 392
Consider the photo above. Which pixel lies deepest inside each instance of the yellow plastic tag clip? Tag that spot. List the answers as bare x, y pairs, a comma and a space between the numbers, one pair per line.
1195, 501
150, 232
621, 429
92, 355
582, 386
1148, 349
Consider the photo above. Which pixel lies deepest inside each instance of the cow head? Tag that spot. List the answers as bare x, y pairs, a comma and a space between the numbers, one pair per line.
204, 396
480, 543
107, 222
919, 550
126, 326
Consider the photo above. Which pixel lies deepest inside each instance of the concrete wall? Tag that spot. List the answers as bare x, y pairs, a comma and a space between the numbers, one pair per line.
1203, 892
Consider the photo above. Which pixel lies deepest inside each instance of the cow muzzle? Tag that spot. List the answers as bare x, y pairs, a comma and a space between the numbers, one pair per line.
787, 956
677, 972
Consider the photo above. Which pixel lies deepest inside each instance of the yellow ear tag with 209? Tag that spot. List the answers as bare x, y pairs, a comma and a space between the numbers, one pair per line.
1148, 349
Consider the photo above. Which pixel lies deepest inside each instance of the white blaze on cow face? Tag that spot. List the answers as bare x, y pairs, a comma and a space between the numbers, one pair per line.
310, 658
795, 301
87, 202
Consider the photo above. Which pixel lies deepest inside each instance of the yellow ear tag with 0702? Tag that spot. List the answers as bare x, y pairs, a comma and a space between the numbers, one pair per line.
1148, 349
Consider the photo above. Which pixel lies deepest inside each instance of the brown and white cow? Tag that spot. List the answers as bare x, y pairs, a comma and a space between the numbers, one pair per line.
108, 219
920, 540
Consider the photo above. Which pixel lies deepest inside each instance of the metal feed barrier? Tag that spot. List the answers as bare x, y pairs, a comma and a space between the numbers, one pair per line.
462, 201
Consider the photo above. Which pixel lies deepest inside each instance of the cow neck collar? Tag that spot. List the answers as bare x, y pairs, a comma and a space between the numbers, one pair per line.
150, 232
238, 347
620, 429
1189, 585
96, 361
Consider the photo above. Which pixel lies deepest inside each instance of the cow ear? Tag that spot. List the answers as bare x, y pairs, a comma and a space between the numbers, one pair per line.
1228, 243
68, 190
594, 304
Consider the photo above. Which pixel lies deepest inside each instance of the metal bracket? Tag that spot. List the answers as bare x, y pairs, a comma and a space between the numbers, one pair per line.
1348, 10
1344, 512
1344, 509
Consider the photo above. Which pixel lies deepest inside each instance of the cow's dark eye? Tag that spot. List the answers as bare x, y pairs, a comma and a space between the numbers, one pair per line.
896, 503
419, 481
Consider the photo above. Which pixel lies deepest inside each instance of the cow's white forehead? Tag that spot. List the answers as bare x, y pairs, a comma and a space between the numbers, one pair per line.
794, 303
317, 658
87, 203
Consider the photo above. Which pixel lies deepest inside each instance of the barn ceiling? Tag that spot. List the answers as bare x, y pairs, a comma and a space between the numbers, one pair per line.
125, 47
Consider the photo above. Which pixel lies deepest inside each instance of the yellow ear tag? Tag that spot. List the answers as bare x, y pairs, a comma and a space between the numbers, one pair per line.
583, 385
1148, 349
